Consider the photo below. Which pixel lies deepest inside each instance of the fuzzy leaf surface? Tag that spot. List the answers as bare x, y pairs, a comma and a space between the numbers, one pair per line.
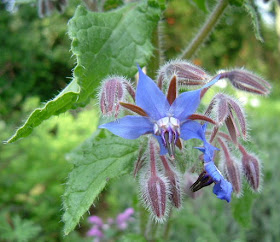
110, 43
102, 157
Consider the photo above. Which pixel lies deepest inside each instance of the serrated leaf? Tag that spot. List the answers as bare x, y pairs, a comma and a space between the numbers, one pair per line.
251, 9
242, 208
60, 104
121, 39
99, 159
104, 44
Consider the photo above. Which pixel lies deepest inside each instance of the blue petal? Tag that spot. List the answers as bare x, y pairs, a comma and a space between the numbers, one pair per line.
150, 98
187, 103
223, 190
191, 130
222, 187
129, 127
163, 150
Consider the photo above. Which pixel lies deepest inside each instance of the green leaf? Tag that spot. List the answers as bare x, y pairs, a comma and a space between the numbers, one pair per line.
242, 208
201, 4
121, 39
110, 43
252, 10
101, 158
63, 102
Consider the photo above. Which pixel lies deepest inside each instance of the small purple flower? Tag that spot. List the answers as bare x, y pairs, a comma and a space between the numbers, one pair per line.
95, 231
96, 220
169, 121
123, 218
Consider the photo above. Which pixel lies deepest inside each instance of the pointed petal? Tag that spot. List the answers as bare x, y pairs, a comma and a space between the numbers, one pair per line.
163, 150
150, 98
222, 188
192, 130
187, 103
129, 127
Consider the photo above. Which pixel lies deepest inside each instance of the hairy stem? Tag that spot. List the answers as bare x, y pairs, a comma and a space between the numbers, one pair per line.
205, 29
158, 56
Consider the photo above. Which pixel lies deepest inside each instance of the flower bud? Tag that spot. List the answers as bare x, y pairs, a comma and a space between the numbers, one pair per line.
111, 93
157, 194
154, 186
232, 168
223, 107
247, 81
174, 182
252, 169
186, 73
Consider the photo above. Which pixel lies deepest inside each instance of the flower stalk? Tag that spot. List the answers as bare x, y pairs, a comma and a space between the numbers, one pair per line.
207, 27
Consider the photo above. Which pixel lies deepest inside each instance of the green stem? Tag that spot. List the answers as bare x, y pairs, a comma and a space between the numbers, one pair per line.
205, 29
158, 56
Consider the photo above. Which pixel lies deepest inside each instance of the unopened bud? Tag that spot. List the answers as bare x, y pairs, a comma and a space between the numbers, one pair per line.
157, 194
232, 168
154, 186
223, 107
186, 73
247, 81
174, 182
252, 169
111, 93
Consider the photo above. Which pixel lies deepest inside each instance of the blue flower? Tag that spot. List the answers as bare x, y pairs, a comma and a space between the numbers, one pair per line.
222, 187
167, 122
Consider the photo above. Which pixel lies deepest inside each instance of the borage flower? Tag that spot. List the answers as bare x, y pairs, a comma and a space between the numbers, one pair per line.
168, 119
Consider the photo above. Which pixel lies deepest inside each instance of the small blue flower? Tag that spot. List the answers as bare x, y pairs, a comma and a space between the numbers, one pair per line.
169, 122
222, 187
166, 122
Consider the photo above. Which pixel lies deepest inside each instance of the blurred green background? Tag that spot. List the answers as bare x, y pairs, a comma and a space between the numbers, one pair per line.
35, 62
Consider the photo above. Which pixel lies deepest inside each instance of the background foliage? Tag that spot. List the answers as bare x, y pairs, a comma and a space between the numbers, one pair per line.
34, 63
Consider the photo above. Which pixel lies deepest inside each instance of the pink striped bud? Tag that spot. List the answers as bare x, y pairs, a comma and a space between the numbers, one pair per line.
154, 186
231, 168
157, 194
186, 73
111, 93
252, 169
247, 81
224, 107
174, 182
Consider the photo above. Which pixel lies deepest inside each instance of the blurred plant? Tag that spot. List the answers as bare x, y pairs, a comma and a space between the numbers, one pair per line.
120, 223
17, 229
